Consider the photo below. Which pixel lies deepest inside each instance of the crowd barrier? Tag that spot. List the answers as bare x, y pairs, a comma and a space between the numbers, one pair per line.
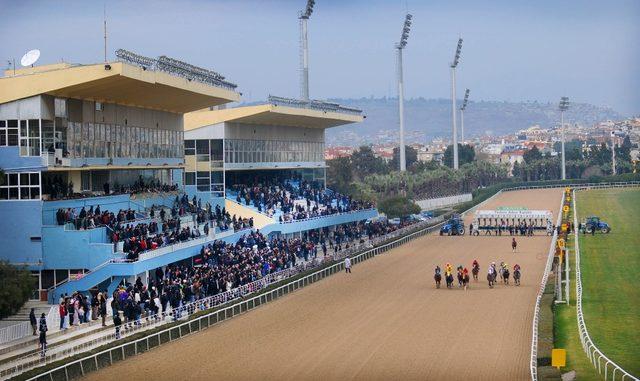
598, 359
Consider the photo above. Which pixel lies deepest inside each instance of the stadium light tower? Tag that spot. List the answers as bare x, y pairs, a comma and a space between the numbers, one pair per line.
304, 50
462, 108
563, 106
454, 64
399, 47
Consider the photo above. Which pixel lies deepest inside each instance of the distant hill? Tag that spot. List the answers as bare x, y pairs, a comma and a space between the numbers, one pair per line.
429, 118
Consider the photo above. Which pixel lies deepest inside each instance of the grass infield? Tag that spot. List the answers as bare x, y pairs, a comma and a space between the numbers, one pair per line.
610, 264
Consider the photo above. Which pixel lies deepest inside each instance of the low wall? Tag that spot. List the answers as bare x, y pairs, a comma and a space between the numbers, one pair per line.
443, 202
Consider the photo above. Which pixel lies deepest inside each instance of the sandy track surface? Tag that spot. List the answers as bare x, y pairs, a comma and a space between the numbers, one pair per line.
385, 321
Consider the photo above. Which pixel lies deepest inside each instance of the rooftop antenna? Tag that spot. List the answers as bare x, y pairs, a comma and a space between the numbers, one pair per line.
399, 47
105, 31
304, 50
454, 64
462, 108
29, 58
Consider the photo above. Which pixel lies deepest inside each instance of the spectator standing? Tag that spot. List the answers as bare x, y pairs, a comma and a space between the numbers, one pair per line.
117, 322
347, 265
33, 321
62, 311
43, 335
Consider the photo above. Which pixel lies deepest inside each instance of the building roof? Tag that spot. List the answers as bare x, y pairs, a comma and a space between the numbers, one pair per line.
123, 84
271, 114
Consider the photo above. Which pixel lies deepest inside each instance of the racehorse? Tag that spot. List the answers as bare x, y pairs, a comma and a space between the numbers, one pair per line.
449, 279
465, 281
475, 270
437, 277
516, 277
460, 278
505, 275
491, 279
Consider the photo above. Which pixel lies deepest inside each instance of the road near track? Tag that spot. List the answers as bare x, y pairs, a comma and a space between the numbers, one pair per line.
385, 321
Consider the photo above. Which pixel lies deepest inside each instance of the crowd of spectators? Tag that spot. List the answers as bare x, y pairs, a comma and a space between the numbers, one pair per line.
281, 195
222, 266
58, 189
219, 267
93, 217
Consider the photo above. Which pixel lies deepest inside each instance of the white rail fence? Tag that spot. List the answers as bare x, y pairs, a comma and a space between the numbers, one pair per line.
543, 284
598, 359
441, 202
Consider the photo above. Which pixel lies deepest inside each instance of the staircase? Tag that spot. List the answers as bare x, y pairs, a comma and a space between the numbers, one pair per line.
23, 314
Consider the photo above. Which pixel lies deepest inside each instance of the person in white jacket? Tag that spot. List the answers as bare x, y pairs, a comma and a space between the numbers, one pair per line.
347, 265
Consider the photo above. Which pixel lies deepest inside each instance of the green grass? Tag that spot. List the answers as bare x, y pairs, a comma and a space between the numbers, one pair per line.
610, 264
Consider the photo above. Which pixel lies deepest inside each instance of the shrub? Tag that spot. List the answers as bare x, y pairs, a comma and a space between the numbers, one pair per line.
16, 284
398, 206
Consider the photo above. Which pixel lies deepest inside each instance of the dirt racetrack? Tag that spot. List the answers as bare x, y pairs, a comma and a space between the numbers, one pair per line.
385, 321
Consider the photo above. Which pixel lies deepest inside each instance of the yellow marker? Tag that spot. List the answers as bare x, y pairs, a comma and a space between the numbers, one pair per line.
558, 358
565, 208
561, 243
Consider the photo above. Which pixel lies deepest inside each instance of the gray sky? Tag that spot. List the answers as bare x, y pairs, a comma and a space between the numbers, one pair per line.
513, 49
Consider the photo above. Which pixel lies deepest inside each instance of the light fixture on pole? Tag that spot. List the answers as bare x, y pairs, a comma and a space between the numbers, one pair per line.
399, 47
304, 50
454, 64
462, 108
563, 106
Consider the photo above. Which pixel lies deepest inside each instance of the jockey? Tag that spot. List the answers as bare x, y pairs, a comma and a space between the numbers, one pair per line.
465, 272
438, 270
491, 270
516, 267
475, 263
449, 268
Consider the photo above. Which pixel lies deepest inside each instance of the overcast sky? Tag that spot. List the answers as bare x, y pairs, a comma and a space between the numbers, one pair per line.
513, 49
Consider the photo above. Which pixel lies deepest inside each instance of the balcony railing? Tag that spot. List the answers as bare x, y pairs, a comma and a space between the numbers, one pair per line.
313, 105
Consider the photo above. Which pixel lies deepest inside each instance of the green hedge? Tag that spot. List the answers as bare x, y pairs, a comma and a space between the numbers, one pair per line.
16, 285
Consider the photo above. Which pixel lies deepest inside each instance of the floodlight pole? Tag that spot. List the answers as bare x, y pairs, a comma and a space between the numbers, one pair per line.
403, 162
462, 125
453, 117
304, 85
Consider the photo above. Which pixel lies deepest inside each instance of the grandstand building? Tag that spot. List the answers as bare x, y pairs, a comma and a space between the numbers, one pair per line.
91, 153
280, 139
82, 136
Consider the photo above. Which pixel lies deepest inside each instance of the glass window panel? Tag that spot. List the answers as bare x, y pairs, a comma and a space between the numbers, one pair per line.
24, 179
13, 193
13, 179
24, 193
35, 179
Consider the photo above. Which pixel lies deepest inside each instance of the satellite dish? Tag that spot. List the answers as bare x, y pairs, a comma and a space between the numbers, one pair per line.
30, 57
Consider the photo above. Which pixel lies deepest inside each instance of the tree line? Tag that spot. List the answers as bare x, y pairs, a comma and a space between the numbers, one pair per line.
581, 161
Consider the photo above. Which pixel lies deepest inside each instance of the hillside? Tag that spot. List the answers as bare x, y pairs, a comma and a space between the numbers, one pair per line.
429, 118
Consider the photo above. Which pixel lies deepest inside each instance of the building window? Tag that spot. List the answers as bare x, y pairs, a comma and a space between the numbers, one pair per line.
203, 182
8, 133
20, 186
30, 137
189, 178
